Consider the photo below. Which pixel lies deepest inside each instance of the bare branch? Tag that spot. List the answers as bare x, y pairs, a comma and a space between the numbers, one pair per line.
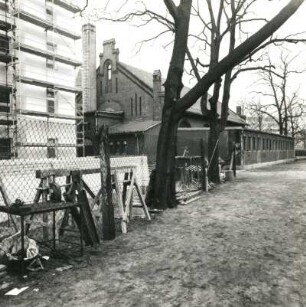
263, 68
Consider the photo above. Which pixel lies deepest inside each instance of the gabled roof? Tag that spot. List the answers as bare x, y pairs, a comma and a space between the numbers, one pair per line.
232, 116
133, 126
140, 74
147, 79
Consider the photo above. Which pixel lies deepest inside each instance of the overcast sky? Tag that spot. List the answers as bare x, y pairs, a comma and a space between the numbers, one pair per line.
154, 55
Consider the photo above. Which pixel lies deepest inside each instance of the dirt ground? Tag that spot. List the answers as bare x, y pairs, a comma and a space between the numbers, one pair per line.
243, 244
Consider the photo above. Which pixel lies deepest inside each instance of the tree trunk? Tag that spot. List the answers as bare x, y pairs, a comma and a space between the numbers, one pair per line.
164, 179
213, 152
213, 138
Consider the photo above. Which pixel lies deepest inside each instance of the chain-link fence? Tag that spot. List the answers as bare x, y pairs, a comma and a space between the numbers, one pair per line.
30, 146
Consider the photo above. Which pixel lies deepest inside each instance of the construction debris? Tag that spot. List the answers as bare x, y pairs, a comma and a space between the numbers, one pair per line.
64, 268
16, 291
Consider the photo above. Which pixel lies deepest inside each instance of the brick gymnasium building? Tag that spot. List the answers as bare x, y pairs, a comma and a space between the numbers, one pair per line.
130, 100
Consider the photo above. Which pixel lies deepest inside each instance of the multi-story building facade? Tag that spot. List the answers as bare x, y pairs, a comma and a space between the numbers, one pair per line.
39, 62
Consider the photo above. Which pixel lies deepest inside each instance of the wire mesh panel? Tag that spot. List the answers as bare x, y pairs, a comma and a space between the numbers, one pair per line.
188, 172
36, 144
30, 144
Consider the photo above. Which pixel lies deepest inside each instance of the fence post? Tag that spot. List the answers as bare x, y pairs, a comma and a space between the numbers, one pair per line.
204, 165
107, 208
45, 215
234, 161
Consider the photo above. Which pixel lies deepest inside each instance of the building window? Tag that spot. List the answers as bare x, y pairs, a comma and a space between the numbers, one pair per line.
140, 106
254, 143
131, 106
124, 148
49, 11
116, 85
51, 97
108, 83
101, 88
4, 45
111, 148
51, 148
258, 144
4, 102
5, 148
249, 144
136, 111
263, 144
50, 63
118, 148
51, 107
51, 47
109, 71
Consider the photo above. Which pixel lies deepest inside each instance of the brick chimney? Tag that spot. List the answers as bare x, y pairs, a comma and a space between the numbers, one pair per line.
240, 112
157, 95
89, 82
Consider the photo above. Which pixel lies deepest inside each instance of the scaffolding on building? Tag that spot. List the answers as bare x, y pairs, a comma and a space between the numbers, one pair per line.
13, 13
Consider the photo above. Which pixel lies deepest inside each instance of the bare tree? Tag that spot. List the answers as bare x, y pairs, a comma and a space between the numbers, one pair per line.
174, 105
214, 36
178, 22
282, 105
254, 115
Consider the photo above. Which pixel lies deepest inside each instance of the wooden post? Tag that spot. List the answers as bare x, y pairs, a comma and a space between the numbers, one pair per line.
204, 165
107, 208
120, 204
234, 161
65, 219
36, 200
45, 215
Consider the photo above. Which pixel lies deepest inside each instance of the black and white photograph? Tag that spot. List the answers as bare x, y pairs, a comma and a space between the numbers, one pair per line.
152, 153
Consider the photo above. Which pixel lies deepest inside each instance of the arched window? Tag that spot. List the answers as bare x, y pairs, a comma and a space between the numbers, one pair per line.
109, 71
131, 106
184, 124
108, 81
140, 106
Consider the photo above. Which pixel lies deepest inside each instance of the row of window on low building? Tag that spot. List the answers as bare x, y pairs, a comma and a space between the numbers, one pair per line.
254, 143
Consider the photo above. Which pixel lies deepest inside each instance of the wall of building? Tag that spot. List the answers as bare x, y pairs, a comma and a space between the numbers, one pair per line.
260, 147
150, 143
128, 95
190, 140
191, 120
134, 98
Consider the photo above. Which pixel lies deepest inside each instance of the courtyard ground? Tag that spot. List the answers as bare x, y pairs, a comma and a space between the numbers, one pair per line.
242, 244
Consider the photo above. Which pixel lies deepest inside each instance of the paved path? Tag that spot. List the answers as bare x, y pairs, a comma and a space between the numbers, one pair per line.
243, 244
